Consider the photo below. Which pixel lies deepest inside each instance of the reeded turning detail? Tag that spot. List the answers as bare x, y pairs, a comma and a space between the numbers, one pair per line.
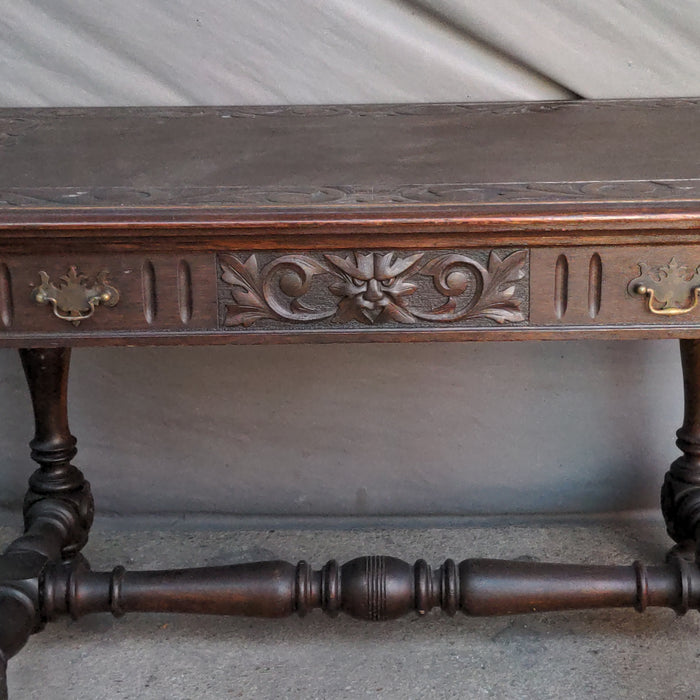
374, 288
375, 577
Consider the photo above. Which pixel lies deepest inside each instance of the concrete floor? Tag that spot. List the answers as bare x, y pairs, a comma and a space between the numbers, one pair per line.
604, 654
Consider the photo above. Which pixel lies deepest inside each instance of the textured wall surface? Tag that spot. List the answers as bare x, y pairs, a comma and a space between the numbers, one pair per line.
355, 429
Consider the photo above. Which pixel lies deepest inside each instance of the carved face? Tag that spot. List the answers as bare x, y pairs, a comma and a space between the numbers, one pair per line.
372, 287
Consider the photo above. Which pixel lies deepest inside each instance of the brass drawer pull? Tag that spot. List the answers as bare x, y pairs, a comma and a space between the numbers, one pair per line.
667, 310
74, 299
670, 289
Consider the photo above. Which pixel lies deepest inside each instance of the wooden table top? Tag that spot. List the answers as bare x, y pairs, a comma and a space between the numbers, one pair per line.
196, 163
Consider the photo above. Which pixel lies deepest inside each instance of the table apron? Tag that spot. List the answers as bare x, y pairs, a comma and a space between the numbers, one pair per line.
345, 295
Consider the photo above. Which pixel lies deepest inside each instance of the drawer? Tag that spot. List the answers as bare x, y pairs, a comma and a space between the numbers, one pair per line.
601, 286
482, 293
151, 292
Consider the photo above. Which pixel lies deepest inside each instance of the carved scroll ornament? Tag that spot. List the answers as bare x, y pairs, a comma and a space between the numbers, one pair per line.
374, 288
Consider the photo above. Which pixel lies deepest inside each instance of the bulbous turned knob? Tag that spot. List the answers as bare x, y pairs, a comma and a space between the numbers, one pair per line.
376, 588
385, 588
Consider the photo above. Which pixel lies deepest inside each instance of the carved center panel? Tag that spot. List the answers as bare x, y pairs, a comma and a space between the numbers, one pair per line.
373, 288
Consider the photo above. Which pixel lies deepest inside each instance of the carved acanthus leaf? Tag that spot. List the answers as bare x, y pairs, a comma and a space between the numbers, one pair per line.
498, 302
249, 305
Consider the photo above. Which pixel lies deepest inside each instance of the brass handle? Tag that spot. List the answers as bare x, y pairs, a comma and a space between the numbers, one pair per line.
671, 289
74, 299
670, 310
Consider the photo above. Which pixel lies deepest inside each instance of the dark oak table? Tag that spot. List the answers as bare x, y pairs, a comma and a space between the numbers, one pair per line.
503, 221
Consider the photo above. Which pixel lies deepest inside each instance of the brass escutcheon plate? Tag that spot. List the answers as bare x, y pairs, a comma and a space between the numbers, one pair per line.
75, 298
671, 289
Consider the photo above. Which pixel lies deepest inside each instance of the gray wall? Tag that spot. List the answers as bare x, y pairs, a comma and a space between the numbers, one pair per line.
355, 429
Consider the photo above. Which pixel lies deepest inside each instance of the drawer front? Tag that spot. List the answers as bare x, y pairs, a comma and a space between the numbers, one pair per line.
366, 294
635, 285
61, 294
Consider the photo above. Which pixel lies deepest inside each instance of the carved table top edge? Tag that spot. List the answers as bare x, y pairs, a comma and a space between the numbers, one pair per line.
529, 216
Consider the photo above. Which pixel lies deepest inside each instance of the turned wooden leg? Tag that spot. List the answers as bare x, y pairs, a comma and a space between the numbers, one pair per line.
56, 483
58, 507
680, 494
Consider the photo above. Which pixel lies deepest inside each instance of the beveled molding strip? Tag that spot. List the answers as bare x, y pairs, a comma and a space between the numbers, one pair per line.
378, 288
